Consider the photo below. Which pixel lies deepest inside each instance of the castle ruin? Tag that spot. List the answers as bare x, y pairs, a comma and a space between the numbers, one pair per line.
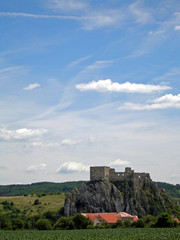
109, 174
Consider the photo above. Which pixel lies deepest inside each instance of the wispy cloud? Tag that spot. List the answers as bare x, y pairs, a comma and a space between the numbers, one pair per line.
127, 87
176, 28
168, 75
70, 142
20, 134
78, 61
71, 167
30, 15
118, 162
164, 102
141, 14
36, 168
103, 18
48, 145
10, 69
67, 5
32, 86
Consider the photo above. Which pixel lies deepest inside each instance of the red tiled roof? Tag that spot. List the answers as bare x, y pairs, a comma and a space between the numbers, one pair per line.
112, 217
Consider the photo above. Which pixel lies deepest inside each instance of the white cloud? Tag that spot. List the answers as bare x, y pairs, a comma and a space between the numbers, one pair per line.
127, 87
29, 15
32, 86
98, 19
99, 65
67, 5
119, 162
91, 139
70, 142
36, 168
164, 102
10, 69
141, 14
177, 28
20, 134
70, 167
40, 144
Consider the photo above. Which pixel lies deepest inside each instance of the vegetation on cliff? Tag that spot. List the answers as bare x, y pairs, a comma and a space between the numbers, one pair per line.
104, 196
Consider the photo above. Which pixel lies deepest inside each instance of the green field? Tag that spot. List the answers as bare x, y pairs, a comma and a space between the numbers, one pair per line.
26, 203
95, 234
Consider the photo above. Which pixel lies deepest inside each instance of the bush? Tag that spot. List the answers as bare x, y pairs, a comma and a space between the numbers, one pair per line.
36, 202
43, 224
127, 223
5, 223
18, 224
80, 221
140, 223
164, 220
64, 223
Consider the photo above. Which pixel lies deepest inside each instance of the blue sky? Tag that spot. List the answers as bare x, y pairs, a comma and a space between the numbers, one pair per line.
86, 83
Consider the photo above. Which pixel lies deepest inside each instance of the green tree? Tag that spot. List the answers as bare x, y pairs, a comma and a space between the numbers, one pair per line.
80, 221
64, 223
36, 202
43, 224
164, 220
5, 223
127, 223
18, 224
140, 223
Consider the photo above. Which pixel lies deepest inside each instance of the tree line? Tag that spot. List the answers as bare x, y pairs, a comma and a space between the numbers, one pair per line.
16, 220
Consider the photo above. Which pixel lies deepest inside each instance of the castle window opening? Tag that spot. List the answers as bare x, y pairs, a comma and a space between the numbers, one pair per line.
139, 176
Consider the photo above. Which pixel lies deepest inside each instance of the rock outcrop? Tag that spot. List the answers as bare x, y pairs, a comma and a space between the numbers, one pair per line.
126, 196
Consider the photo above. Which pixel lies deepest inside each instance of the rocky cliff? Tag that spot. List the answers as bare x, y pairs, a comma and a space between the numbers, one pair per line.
105, 196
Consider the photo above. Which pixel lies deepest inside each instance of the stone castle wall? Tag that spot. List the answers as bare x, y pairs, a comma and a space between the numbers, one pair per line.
109, 174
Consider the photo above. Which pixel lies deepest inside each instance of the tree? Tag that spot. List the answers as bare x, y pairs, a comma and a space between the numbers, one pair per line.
64, 223
127, 223
18, 224
140, 223
36, 202
80, 221
43, 224
5, 223
164, 220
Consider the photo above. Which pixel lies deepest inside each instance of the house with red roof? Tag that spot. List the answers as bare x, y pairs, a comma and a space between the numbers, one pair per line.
175, 218
113, 217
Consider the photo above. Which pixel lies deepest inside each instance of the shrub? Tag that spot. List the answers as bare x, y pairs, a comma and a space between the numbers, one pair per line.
43, 224
127, 223
64, 223
80, 221
140, 223
36, 202
164, 220
5, 223
18, 224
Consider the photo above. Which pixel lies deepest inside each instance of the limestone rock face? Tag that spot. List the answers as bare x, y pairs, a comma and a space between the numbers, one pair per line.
126, 196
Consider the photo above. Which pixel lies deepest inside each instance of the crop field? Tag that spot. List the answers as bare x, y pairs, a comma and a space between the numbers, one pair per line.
95, 234
26, 203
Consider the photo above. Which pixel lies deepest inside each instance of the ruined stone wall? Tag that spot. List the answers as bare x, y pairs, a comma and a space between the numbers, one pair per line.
99, 173
107, 173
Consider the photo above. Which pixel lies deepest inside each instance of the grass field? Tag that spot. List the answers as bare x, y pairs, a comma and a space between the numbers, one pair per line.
26, 203
95, 234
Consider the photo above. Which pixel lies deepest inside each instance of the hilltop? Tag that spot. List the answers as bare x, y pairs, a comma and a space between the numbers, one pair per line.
40, 187
111, 191
51, 187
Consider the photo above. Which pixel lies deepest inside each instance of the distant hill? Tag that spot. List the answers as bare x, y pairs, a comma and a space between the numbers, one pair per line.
173, 190
41, 187
51, 187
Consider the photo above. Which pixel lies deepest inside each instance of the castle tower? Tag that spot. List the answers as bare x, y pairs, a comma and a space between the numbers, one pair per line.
99, 173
